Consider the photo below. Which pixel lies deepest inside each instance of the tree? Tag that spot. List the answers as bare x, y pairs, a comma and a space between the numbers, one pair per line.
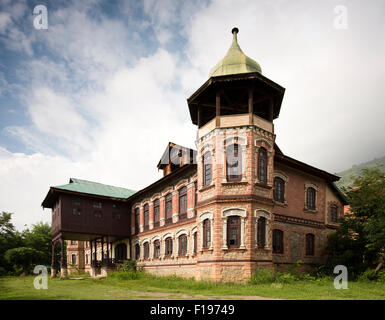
360, 241
23, 258
9, 238
39, 238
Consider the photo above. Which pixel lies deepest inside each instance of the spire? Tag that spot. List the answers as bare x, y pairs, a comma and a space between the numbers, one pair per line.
235, 61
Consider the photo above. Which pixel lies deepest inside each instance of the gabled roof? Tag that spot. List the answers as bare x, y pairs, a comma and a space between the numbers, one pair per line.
174, 152
88, 187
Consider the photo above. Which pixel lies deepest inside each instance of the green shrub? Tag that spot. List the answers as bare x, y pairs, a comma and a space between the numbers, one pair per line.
126, 275
284, 278
381, 276
263, 275
126, 266
367, 275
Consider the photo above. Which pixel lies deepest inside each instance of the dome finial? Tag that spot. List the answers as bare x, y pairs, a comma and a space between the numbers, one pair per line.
235, 30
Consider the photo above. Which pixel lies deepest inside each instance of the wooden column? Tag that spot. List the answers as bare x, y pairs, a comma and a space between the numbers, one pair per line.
91, 253
108, 251
251, 105
102, 249
96, 248
218, 109
63, 261
53, 260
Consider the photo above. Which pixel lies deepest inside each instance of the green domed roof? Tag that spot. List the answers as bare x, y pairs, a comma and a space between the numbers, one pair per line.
235, 61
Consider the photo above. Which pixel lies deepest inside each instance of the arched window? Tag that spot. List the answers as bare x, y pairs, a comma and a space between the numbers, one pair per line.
234, 163
137, 251
310, 244
137, 219
207, 168
168, 247
156, 213
182, 203
206, 233
156, 249
310, 198
182, 250
169, 208
262, 165
279, 189
146, 250
333, 213
277, 241
195, 242
146, 212
233, 231
261, 232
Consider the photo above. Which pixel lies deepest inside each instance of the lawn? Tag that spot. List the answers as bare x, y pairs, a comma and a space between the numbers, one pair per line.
151, 287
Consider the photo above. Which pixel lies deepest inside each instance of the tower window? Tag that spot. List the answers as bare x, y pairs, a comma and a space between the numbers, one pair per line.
261, 232
279, 189
233, 163
233, 232
277, 241
333, 213
206, 233
310, 244
262, 165
206, 168
310, 198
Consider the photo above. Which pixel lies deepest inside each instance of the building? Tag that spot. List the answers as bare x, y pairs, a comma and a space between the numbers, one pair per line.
220, 212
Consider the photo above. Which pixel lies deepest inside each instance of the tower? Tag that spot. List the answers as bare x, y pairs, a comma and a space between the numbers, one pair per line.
234, 111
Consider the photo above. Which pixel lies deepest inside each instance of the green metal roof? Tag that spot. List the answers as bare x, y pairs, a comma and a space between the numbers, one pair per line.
84, 186
235, 61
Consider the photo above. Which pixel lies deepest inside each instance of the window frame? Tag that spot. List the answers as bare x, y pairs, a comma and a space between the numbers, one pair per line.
168, 208
206, 226
333, 215
146, 250
310, 244
146, 217
137, 220
168, 247
311, 202
182, 203
156, 249
279, 192
231, 150
156, 213
234, 226
207, 168
182, 245
261, 232
262, 165
278, 235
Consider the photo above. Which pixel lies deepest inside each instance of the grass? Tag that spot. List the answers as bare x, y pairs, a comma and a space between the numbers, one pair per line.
151, 287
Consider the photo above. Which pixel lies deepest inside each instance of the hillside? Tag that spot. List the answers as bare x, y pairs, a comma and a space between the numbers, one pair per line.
346, 176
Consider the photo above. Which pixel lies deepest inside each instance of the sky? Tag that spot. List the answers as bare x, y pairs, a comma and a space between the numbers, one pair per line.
99, 93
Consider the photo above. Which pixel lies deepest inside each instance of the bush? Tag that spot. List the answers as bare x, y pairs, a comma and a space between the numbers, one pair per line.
367, 275
262, 276
381, 276
23, 259
126, 275
126, 266
284, 278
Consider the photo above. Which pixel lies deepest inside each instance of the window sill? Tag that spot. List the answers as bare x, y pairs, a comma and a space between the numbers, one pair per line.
280, 203
204, 188
310, 210
234, 182
262, 185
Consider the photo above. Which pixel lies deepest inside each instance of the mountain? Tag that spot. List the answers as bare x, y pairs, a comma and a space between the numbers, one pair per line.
346, 176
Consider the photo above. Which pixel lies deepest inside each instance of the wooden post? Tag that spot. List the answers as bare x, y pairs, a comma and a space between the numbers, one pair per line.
218, 109
108, 251
91, 253
96, 248
102, 249
53, 260
251, 105
63, 261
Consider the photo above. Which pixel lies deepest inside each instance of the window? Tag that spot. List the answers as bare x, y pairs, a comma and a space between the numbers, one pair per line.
310, 198
233, 163
168, 244
73, 242
146, 213
206, 168
233, 232
182, 203
277, 241
156, 213
137, 219
279, 189
73, 258
137, 251
98, 214
116, 206
156, 249
262, 165
86, 258
310, 244
333, 213
182, 248
261, 232
76, 202
146, 250
97, 205
195, 242
206, 233
169, 208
